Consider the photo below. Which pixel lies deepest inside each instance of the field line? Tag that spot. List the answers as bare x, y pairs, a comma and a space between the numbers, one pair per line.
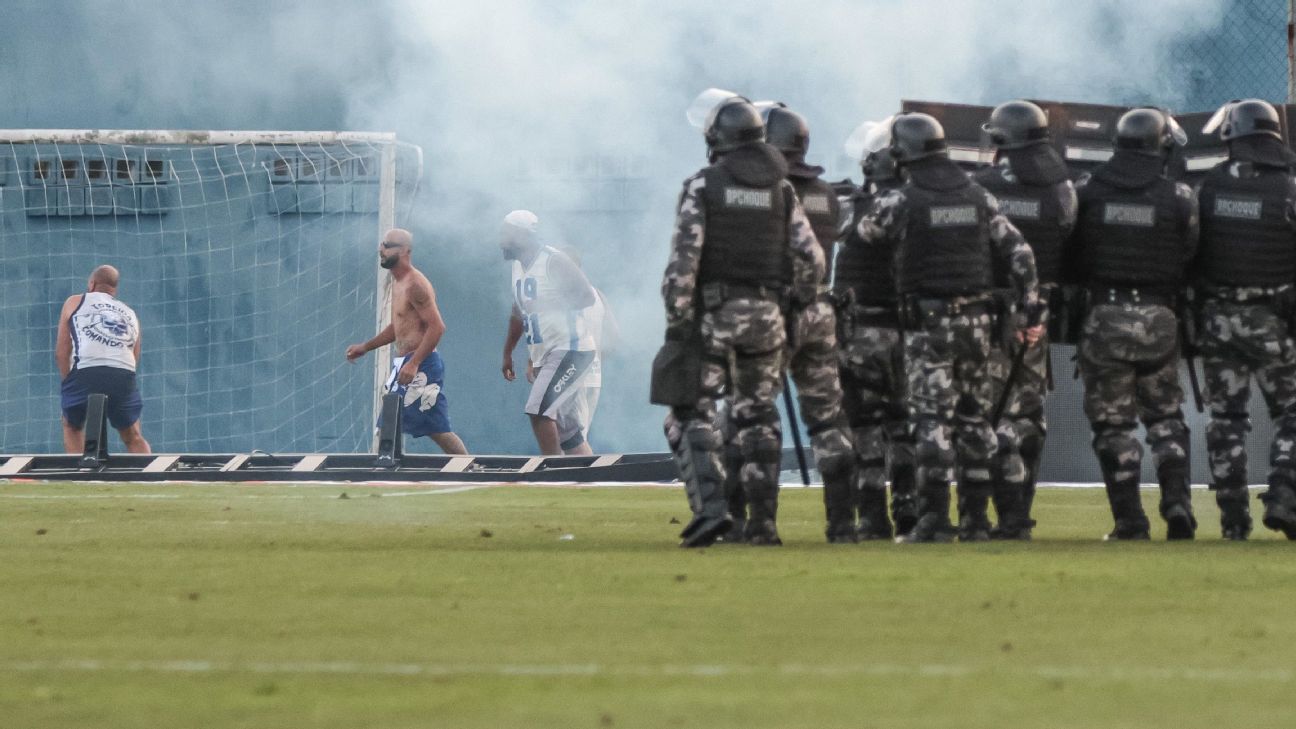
918, 670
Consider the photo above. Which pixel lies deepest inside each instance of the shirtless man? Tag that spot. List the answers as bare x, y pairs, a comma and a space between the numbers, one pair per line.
97, 351
416, 328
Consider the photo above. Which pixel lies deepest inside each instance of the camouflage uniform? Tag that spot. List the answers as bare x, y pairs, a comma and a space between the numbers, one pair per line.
812, 361
1245, 294
1238, 340
743, 338
1136, 232
872, 376
1034, 192
948, 338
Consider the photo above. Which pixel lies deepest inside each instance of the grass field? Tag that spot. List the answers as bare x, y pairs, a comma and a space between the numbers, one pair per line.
276, 606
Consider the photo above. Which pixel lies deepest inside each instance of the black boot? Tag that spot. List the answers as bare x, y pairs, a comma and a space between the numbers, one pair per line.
933, 516
1280, 507
1127, 510
904, 498
973, 502
735, 497
873, 523
762, 508
1010, 508
704, 486
839, 506
1235, 512
1176, 504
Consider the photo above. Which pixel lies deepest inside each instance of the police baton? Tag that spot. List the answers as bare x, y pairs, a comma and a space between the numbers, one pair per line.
1013, 373
795, 425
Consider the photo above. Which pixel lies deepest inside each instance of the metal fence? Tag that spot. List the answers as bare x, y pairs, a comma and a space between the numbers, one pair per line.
1247, 55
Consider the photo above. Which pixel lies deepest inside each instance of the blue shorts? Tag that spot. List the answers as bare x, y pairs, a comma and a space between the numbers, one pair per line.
124, 402
424, 409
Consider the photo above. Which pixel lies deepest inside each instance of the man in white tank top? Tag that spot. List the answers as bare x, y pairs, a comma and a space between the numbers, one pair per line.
549, 294
97, 351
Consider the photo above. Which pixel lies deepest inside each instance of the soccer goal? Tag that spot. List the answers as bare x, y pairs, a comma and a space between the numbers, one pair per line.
250, 258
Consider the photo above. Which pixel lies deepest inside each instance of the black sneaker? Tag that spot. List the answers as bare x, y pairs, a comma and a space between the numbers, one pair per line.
735, 535
1235, 532
972, 529
1180, 524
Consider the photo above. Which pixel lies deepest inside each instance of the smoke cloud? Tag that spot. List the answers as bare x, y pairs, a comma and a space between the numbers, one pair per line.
573, 110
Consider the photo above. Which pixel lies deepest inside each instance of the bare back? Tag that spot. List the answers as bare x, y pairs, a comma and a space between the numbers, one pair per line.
407, 325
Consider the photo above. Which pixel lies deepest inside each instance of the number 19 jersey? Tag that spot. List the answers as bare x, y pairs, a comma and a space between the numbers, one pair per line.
547, 322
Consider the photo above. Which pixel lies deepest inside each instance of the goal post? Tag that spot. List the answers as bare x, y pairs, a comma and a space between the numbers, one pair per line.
248, 256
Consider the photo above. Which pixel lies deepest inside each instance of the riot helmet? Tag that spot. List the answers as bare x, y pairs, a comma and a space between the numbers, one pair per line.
1149, 131
1244, 118
1016, 124
916, 136
785, 130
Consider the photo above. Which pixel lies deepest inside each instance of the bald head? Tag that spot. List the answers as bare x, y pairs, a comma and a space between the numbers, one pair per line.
105, 279
395, 248
400, 237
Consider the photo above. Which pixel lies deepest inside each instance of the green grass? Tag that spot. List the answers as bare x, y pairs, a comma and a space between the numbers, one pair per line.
272, 606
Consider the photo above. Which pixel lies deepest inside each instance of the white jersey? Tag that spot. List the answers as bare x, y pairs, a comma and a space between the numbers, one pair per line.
104, 333
547, 322
594, 317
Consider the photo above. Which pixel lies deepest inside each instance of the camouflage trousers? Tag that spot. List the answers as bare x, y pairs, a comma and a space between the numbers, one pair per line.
1022, 426
950, 397
1129, 360
812, 364
743, 341
873, 384
1239, 341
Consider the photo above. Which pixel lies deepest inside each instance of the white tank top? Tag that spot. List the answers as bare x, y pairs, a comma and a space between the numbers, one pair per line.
547, 322
104, 333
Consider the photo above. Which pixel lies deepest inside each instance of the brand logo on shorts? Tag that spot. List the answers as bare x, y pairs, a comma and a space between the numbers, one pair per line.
568, 374
1019, 209
1242, 209
816, 204
1143, 216
741, 197
948, 216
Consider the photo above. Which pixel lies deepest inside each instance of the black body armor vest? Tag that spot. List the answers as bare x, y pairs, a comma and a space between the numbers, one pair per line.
1246, 239
946, 251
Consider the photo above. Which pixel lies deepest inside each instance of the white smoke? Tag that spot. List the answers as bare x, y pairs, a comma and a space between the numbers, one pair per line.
513, 100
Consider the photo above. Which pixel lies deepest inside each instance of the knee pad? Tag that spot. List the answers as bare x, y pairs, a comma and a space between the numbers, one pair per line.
760, 448
834, 465
703, 437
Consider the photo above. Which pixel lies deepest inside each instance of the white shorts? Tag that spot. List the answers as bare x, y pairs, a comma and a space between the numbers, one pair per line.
560, 376
575, 416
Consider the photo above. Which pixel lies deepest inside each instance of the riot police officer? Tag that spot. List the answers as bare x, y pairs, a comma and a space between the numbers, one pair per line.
741, 248
1136, 231
812, 345
1031, 183
872, 360
949, 232
1245, 272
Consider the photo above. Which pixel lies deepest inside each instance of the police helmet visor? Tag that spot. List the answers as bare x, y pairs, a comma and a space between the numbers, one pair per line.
1177, 132
879, 137
855, 143
699, 112
1217, 119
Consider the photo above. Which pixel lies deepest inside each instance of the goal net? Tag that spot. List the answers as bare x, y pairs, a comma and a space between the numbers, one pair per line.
250, 258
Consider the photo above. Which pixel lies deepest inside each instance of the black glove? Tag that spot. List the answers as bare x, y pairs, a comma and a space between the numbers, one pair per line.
679, 331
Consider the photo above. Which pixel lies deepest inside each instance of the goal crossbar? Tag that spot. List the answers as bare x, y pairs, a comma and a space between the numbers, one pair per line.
181, 136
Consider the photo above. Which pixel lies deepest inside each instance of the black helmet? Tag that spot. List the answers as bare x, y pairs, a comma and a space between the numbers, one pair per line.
1016, 124
1248, 117
733, 123
915, 135
1148, 131
786, 130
